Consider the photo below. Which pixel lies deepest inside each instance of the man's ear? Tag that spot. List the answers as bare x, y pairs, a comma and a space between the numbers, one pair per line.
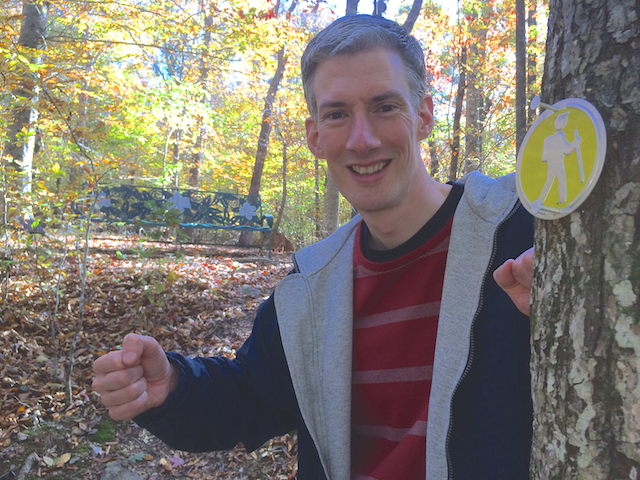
313, 137
425, 113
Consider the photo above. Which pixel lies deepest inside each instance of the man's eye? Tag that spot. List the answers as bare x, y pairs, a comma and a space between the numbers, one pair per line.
387, 108
335, 116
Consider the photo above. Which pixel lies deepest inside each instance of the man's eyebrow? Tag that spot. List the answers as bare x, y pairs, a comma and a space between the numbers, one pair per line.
391, 94
334, 104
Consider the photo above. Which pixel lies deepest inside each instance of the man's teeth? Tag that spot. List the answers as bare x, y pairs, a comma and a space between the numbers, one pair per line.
369, 170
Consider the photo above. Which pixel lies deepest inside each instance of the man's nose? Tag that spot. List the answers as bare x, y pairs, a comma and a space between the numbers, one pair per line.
363, 136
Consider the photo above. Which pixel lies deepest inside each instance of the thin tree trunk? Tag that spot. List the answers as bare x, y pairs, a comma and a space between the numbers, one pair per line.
331, 212
265, 128
434, 165
175, 155
475, 68
265, 132
352, 7
585, 311
283, 198
198, 155
532, 61
521, 73
413, 15
25, 115
455, 144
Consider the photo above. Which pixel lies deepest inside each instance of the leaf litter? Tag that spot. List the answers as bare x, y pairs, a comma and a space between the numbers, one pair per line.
198, 301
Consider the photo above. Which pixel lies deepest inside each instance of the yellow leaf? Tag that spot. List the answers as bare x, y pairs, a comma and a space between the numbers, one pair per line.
56, 167
64, 458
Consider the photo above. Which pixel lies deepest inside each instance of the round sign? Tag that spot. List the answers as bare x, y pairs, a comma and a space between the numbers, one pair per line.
561, 158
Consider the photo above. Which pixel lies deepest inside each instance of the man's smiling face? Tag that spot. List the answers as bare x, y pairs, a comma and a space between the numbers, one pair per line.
367, 129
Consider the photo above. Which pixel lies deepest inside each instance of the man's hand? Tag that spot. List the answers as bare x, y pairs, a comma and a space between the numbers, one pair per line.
134, 379
515, 278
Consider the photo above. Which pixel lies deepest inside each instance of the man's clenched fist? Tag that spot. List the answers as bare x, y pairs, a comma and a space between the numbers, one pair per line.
134, 379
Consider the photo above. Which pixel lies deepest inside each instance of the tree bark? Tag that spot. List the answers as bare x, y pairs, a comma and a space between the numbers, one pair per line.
352, 7
265, 128
416, 6
198, 155
475, 68
263, 138
25, 115
434, 164
532, 60
283, 199
585, 315
521, 73
455, 144
331, 212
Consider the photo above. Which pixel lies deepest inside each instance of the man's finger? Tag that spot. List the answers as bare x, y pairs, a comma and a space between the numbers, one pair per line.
522, 268
503, 275
111, 362
129, 410
132, 348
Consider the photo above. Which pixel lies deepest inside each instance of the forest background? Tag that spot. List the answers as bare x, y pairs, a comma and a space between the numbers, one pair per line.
187, 94
177, 93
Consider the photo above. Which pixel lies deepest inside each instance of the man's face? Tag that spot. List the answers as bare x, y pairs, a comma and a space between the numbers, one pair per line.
367, 129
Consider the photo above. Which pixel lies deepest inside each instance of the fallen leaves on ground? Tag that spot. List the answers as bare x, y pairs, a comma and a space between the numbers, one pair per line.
199, 301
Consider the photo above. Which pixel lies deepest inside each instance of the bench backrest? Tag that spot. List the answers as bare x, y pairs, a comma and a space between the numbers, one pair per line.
160, 206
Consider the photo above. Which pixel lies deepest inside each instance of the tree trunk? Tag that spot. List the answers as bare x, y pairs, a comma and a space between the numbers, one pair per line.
455, 144
265, 131
175, 155
532, 60
283, 199
331, 212
25, 115
475, 68
265, 128
197, 157
585, 315
521, 74
434, 165
352, 7
413, 15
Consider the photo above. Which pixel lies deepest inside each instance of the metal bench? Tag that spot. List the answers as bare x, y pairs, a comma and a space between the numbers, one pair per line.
155, 206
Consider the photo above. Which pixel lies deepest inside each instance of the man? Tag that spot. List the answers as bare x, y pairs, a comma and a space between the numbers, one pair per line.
390, 348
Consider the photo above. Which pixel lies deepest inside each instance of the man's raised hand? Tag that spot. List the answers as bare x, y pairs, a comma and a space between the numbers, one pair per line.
515, 277
134, 379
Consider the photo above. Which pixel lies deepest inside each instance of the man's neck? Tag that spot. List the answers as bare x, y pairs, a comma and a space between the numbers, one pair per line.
391, 228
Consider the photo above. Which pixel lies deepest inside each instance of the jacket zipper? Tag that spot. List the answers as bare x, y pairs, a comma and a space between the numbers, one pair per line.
471, 343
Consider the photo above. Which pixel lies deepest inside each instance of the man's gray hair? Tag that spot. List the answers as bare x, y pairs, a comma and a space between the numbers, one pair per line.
361, 33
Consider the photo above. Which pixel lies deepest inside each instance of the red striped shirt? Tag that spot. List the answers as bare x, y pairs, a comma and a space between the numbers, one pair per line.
396, 308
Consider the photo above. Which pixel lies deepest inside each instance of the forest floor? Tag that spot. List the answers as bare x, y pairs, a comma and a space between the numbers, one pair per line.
196, 300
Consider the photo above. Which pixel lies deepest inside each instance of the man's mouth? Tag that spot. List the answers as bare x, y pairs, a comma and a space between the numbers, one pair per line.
370, 169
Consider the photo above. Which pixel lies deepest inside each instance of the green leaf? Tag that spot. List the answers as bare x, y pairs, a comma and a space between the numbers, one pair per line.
136, 457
